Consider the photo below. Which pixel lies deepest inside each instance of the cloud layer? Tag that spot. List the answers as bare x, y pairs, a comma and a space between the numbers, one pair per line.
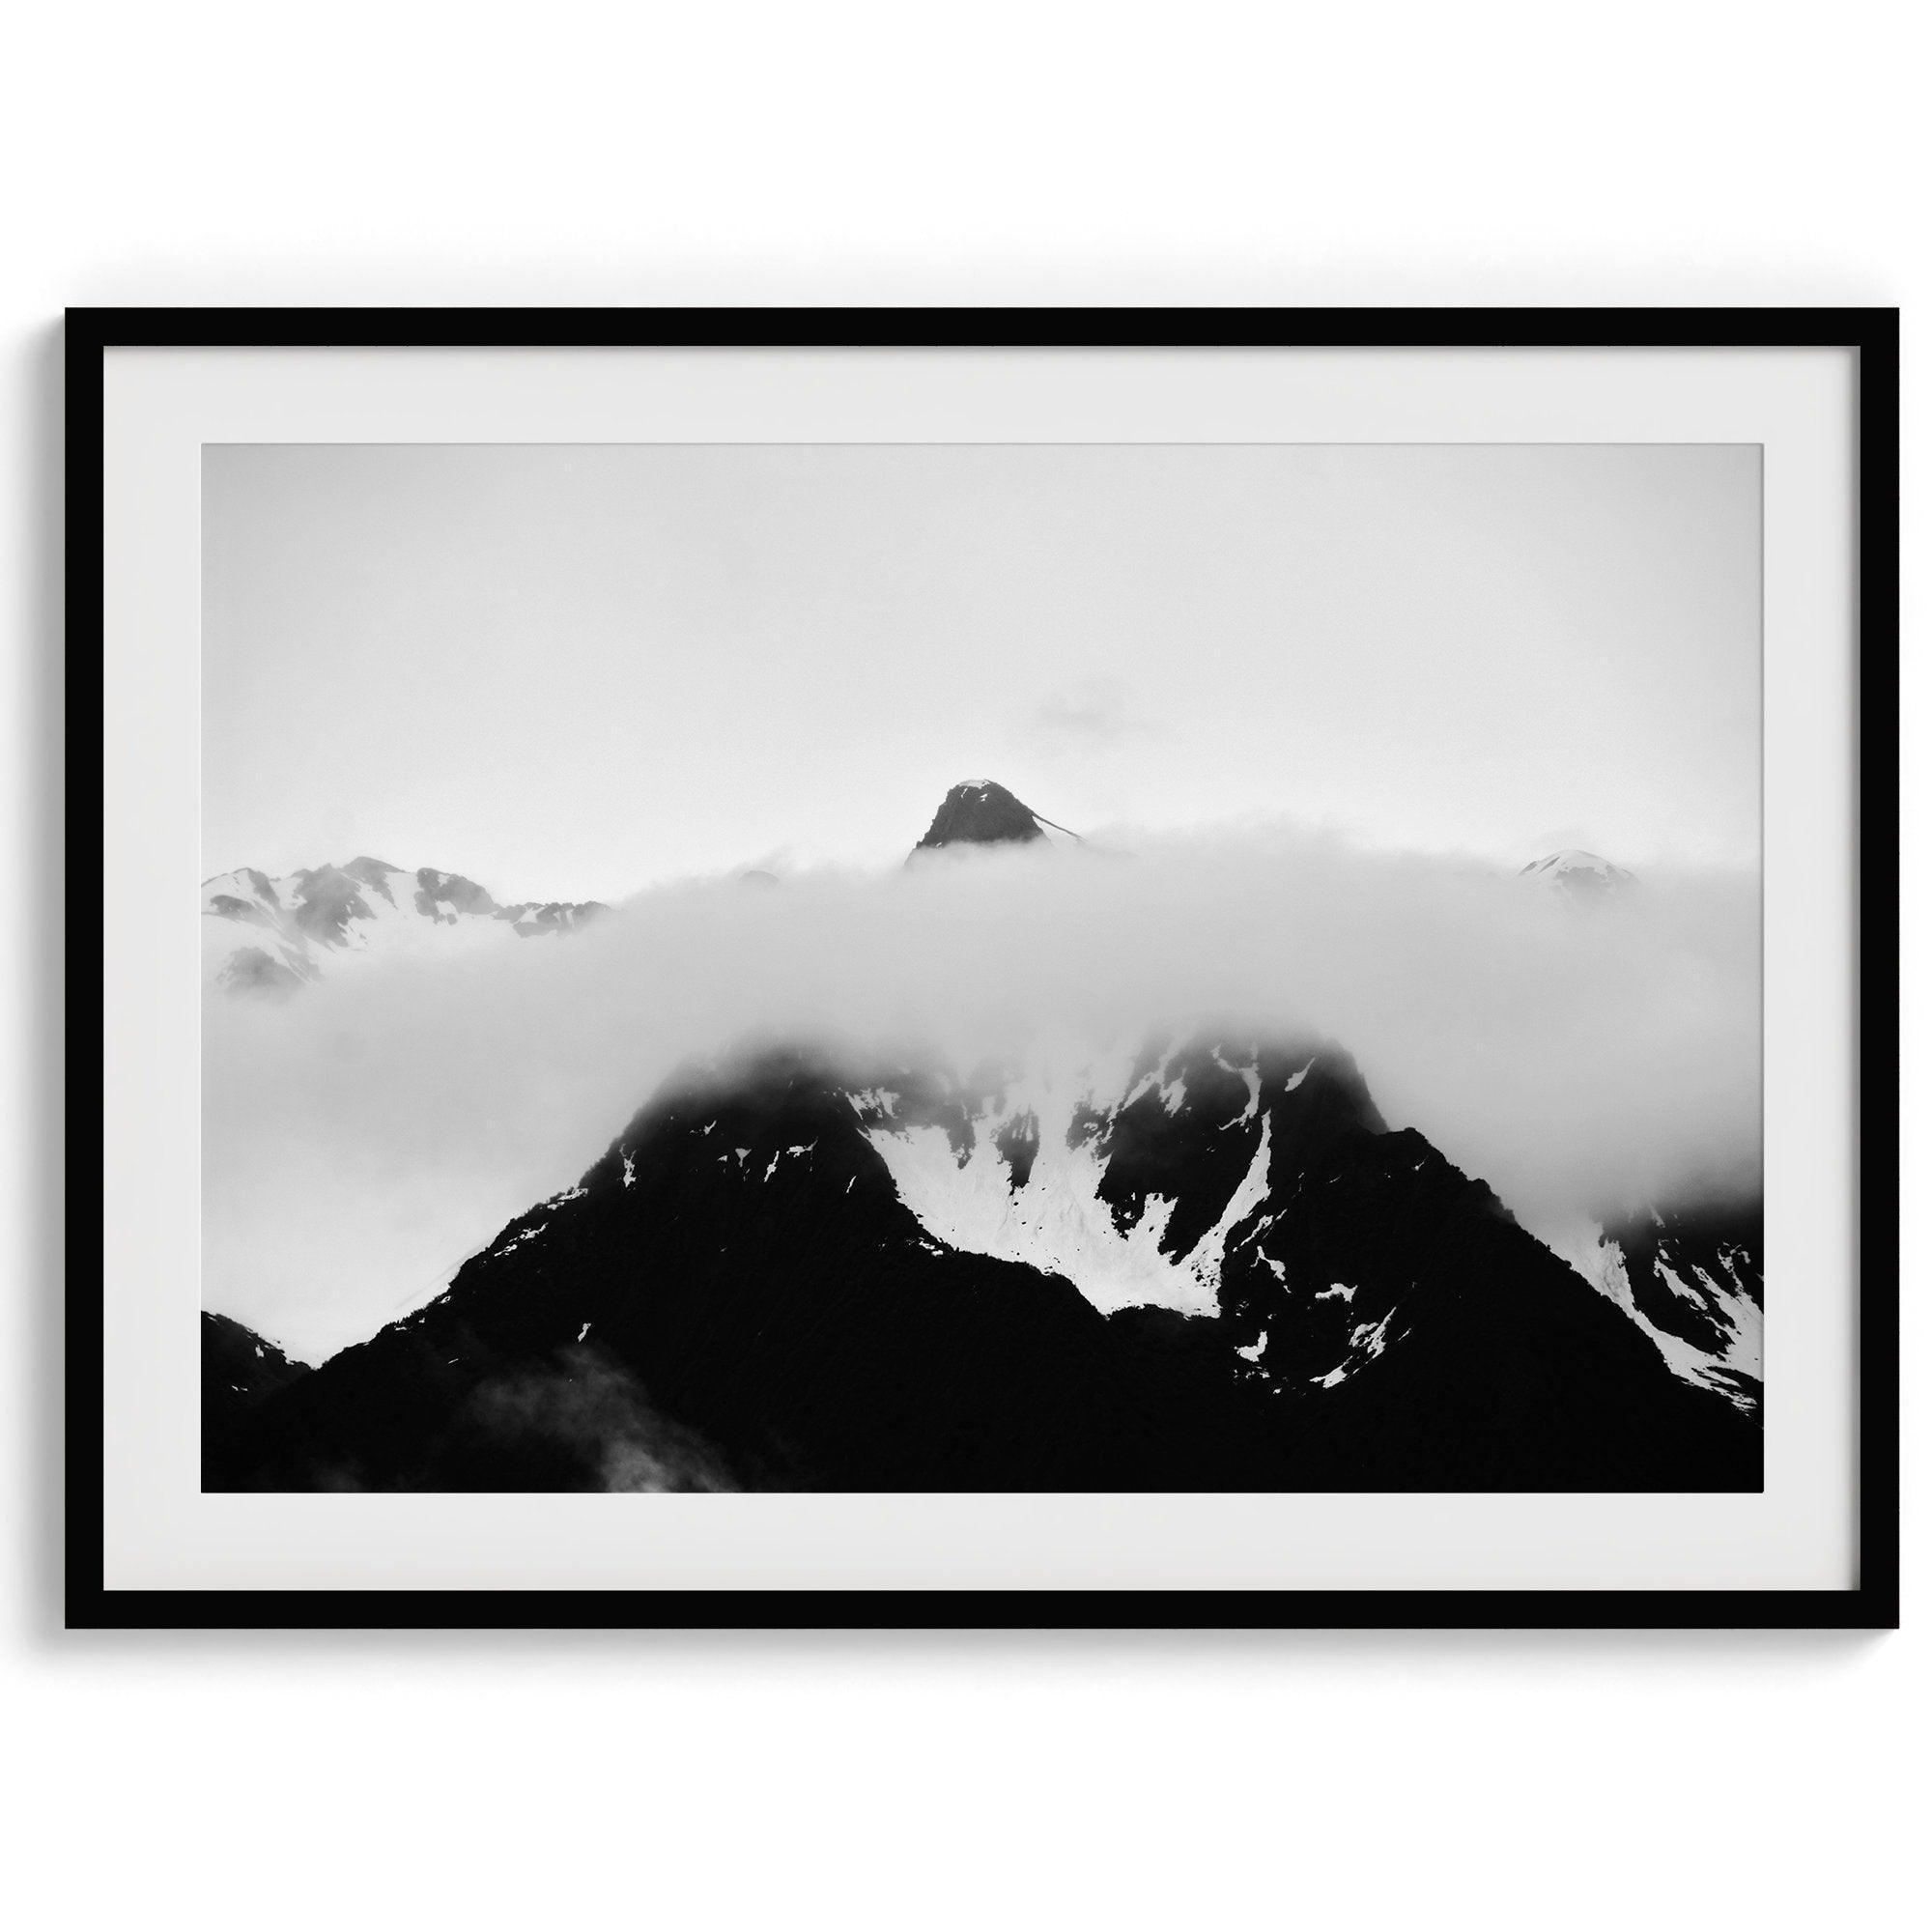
361, 1139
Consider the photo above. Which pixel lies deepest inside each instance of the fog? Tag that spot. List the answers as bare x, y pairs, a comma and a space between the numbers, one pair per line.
363, 1137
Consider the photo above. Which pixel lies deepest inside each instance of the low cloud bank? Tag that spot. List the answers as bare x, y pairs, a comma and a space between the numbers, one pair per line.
361, 1139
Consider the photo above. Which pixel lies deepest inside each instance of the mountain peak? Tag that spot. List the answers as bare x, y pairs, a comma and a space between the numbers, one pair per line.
978, 811
1579, 875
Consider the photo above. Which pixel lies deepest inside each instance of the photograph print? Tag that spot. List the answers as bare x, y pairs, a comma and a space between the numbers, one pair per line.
982, 968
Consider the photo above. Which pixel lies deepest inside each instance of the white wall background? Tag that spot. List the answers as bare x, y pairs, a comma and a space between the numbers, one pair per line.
1219, 153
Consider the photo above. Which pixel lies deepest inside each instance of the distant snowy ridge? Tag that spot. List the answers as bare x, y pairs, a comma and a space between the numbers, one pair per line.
1577, 877
273, 936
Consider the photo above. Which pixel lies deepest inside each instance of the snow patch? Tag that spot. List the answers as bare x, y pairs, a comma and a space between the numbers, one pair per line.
1057, 1222
1371, 1338
782, 1152
1252, 1075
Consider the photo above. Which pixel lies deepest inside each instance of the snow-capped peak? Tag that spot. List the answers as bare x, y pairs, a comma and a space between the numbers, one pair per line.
1580, 876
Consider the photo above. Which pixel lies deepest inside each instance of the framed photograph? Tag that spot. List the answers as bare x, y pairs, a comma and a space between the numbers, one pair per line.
983, 968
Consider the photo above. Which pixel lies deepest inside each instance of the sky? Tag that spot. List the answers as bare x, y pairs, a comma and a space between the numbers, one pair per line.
575, 672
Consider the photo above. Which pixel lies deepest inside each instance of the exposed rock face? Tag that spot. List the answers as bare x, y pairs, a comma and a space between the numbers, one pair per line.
980, 812
238, 1370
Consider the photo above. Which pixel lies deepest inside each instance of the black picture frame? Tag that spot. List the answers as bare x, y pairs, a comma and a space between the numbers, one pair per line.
1871, 332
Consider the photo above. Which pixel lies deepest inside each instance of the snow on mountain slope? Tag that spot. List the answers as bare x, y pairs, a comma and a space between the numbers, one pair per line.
272, 936
1579, 878
248, 943
1170, 1181
1028, 1186
1693, 1283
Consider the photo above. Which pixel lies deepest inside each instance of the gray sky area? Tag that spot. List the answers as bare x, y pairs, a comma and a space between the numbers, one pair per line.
573, 671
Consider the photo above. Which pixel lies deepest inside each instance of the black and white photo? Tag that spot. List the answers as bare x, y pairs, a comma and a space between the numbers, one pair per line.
1193, 968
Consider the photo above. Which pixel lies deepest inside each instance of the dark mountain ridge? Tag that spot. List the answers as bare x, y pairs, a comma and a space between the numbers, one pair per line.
739, 1278
239, 1369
